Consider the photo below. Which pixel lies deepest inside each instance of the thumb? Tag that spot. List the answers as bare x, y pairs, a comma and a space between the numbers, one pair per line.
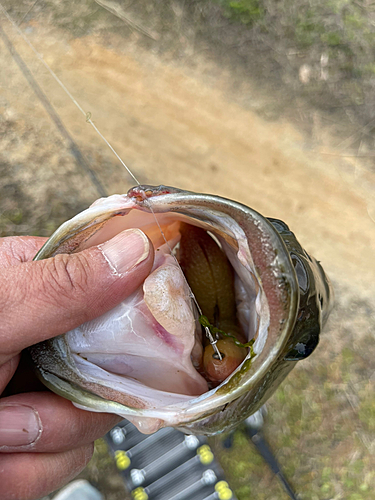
42, 299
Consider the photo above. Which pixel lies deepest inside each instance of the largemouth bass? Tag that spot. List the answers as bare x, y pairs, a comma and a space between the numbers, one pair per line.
143, 359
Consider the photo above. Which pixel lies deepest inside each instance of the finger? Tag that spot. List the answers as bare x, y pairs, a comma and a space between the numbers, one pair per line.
17, 249
29, 476
42, 299
45, 422
7, 371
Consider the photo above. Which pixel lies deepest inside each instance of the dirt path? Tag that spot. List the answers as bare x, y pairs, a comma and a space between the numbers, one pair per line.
175, 129
178, 127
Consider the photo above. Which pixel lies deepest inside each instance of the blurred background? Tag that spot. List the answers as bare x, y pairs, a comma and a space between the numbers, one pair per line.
270, 103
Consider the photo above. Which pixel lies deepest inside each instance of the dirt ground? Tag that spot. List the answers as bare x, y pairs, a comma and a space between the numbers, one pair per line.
189, 127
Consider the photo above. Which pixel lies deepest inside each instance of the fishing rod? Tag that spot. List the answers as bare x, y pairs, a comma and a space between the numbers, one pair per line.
169, 465
263, 448
252, 428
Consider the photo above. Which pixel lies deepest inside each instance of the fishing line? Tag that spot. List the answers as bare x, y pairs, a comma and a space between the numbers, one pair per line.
74, 149
87, 116
28, 12
75, 102
211, 338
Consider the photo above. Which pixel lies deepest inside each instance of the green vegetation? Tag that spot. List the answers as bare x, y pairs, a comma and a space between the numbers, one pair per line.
367, 413
342, 31
244, 11
331, 23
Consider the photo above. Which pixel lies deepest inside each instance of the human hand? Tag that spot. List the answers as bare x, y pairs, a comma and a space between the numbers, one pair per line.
44, 440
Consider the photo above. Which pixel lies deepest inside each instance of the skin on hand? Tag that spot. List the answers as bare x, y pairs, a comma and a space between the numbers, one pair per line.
44, 440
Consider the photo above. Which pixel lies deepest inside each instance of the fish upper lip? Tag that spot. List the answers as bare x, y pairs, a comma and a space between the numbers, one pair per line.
142, 192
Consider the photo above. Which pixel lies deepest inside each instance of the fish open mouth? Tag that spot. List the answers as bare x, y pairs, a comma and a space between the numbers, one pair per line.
152, 344
219, 268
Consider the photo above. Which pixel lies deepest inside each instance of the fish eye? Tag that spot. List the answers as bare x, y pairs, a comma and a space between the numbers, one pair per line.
280, 226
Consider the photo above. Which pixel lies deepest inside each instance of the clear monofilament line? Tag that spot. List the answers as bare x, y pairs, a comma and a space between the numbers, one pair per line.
87, 116
212, 340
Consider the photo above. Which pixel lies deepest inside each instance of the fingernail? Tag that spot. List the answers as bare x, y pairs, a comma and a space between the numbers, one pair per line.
126, 250
19, 425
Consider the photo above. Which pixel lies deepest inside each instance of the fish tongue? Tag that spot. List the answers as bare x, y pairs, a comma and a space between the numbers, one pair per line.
167, 297
149, 336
